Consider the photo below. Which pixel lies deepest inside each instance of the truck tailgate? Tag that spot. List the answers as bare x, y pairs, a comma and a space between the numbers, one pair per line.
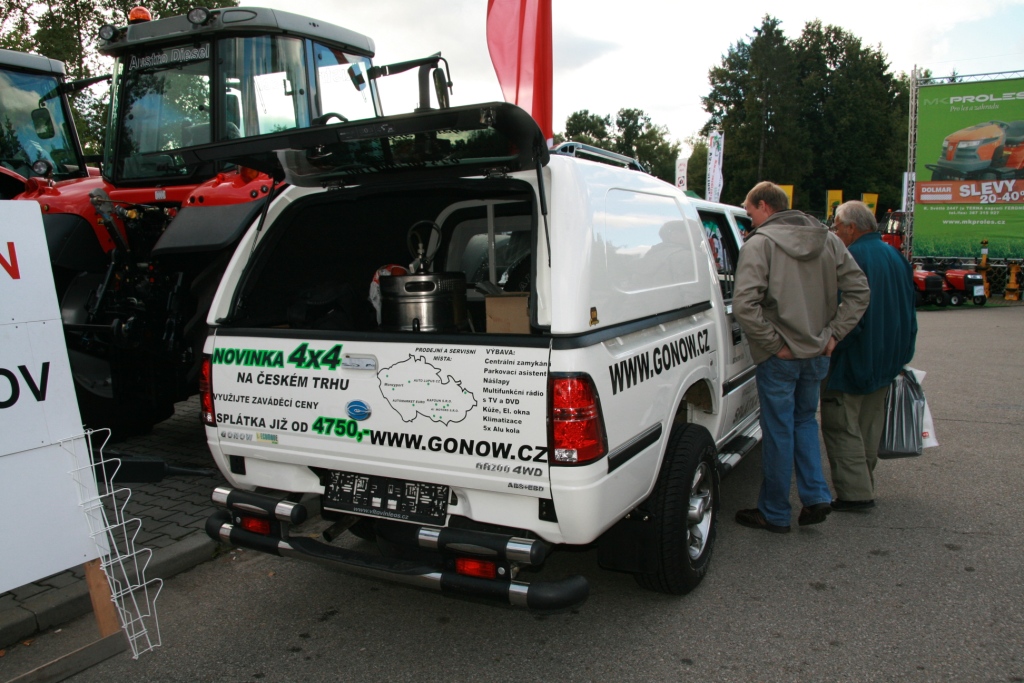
461, 415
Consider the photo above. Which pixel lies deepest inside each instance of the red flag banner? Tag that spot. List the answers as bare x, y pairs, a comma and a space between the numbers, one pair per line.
519, 40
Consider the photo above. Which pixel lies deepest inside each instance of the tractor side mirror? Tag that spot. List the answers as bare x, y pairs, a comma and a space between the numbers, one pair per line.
42, 121
355, 72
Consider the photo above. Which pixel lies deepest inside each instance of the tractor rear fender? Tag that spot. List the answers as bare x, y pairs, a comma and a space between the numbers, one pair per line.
73, 244
206, 228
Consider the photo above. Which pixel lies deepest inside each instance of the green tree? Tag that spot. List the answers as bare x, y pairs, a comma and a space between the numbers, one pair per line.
590, 129
649, 144
16, 25
818, 112
752, 101
697, 165
633, 135
848, 103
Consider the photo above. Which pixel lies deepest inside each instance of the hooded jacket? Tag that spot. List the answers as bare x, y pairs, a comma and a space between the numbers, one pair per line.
788, 278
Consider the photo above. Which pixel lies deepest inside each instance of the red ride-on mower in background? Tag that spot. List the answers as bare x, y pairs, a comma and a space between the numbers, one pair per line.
964, 286
958, 285
993, 150
930, 288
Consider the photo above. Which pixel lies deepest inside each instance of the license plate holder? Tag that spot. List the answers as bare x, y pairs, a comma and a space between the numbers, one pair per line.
386, 497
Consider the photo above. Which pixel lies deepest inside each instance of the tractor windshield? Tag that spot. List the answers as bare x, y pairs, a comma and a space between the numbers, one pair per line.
34, 125
173, 98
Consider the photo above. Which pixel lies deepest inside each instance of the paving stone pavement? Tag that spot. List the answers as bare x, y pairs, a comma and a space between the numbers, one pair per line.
173, 512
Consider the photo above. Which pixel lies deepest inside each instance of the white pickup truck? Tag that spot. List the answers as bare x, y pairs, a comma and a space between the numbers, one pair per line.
557, 366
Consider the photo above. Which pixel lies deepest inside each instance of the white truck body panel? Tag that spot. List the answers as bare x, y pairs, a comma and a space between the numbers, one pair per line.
629, 296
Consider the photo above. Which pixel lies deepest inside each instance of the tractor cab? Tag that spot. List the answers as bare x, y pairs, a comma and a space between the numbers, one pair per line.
893, 228
37, 132
137, 253
225, 74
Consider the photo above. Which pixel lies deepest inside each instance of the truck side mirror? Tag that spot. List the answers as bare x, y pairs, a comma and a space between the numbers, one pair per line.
441, 89
42, 120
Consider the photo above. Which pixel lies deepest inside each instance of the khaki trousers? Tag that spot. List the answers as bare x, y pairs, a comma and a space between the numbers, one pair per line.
851, 425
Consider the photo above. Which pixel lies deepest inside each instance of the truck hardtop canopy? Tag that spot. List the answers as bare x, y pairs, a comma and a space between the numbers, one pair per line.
476, 139
238, 20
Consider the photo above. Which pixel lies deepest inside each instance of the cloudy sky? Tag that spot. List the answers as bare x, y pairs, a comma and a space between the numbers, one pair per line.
655, 54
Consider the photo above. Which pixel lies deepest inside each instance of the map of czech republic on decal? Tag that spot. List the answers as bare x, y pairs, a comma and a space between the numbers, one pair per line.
414, 387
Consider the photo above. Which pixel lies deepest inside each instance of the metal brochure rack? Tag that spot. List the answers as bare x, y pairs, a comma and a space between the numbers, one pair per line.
114, 535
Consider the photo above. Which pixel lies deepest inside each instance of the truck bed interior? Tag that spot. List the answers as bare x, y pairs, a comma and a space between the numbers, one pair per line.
314, 266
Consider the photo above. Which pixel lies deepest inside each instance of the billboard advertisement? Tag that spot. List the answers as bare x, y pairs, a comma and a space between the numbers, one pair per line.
970, 169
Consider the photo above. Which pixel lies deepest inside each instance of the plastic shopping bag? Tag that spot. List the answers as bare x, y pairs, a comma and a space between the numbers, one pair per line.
928, 430
903, 433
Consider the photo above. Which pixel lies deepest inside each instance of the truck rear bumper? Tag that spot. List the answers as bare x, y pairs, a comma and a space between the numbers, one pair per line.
538, 595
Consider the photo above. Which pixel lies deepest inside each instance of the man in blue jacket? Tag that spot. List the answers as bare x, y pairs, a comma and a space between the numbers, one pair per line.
866, 361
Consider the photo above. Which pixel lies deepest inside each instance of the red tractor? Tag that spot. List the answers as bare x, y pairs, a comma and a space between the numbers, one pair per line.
893, 227
137, 254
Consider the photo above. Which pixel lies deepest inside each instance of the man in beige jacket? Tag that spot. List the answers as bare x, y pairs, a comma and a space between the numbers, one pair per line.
790, 272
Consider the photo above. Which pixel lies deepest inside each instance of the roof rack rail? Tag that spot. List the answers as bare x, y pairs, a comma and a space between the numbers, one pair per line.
578, 149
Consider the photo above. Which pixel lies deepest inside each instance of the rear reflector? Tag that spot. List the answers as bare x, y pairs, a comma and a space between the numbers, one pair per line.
468, 566
257, 525
577, 428
248, 174
206, 411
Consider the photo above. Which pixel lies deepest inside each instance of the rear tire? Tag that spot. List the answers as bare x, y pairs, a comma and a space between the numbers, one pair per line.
684, 506
956, 299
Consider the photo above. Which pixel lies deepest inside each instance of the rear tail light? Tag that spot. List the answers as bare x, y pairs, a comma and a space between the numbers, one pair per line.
483, 569
257, 525
207, 414
577, 428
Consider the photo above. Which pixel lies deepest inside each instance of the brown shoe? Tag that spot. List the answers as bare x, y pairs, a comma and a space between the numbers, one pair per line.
815, 514
755, 520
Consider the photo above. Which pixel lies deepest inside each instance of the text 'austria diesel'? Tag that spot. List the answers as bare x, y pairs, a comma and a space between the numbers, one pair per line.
468, 350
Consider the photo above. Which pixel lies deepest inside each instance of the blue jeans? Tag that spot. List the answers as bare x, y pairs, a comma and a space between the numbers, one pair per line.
788, 393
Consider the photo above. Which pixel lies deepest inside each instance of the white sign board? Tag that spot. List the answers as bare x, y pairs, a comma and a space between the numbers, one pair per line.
681, 164
45, 529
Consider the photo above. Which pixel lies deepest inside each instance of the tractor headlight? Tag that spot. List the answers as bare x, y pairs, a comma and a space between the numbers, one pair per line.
198, 15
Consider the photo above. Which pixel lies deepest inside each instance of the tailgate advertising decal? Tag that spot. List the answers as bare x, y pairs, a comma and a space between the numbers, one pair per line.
970, 169
476, 409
